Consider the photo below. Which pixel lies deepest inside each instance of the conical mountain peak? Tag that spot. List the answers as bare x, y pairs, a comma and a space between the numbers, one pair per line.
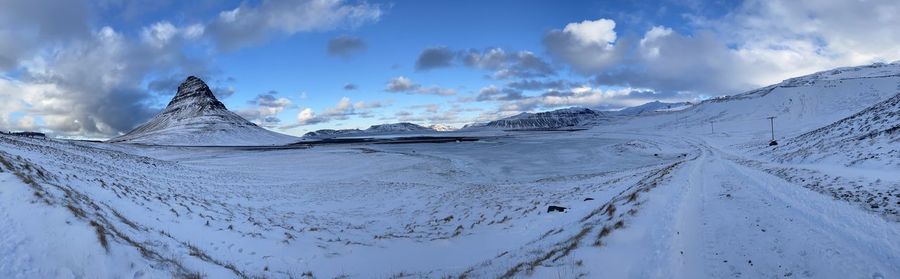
194, 92
196, 117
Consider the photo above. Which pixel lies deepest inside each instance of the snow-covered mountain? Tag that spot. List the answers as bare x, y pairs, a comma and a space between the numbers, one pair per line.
651, 107
870, 137
442, 128
331, 132
561, 118
397, 127
195, 117
380, 129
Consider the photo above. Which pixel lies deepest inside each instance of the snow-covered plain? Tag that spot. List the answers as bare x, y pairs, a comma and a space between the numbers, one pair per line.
695, 193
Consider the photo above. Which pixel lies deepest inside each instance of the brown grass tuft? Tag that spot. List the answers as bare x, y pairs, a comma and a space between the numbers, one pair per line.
101, 234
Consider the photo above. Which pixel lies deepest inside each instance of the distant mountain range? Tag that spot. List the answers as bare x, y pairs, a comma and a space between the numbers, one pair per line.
557, 119
393, 128
195, 117
569, 117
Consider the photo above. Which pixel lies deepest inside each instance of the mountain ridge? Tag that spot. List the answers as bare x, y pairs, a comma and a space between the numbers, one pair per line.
560, 118
399, 127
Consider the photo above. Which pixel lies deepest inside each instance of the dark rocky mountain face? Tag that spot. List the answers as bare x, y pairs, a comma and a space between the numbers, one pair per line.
194, 91
552, 119
402, 126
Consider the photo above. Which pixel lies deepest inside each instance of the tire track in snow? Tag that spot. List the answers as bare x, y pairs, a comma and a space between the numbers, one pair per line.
737, 222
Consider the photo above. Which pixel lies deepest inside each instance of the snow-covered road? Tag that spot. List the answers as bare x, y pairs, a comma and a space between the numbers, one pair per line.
720, 219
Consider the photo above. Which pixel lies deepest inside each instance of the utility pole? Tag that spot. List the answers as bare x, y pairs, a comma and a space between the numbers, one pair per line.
712, 129
772, 123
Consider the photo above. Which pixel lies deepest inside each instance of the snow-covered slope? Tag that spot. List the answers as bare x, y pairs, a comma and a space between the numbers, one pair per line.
870, 138
651, 107
196, 117
799, 104
561, 118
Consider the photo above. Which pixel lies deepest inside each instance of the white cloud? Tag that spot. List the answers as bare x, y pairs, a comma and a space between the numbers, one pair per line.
193, 31
599, 32
250, 24
102, 101
11, 93
652, 36
789, 38
343, 110
363, 105
587, 46
71, 80
90, 86
159, 34
584, 96
756, 44
164, 33
399, 84
403, 84
307, 117
343, 105
27, 26
266, 110
521, 64
492, 93
504, 64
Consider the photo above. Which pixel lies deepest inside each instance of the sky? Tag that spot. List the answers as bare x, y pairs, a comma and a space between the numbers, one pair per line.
97, 69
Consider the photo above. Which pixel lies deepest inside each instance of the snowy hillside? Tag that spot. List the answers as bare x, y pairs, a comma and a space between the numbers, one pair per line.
196, 117
799, 104
868, 138
651, 107
561, 118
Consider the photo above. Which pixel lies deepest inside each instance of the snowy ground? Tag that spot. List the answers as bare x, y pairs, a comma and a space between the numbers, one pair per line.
665, 205
695, 193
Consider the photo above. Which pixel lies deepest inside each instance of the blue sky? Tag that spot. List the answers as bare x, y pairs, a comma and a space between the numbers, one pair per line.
298, 64
98, 68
